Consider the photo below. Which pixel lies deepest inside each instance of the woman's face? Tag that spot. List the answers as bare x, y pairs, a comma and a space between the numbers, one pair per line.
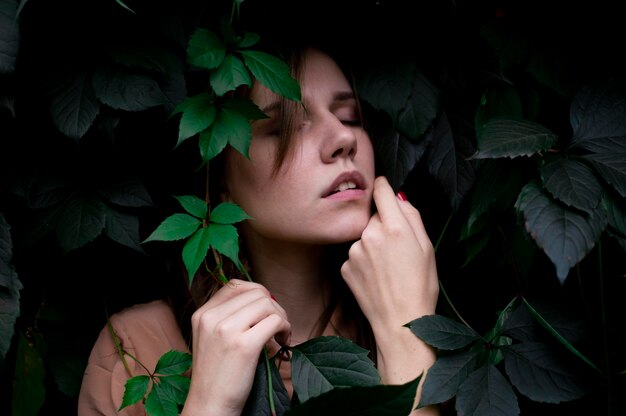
323, 190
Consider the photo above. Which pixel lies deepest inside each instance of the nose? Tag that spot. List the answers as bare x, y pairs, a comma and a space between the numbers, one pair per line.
339, 141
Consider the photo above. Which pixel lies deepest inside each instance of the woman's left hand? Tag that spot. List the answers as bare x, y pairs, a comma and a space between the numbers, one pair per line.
391, 270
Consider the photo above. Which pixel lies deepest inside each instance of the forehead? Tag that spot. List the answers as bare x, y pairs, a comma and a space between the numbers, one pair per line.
320, 77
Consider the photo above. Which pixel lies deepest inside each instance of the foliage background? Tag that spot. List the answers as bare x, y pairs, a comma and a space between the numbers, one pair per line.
64, 267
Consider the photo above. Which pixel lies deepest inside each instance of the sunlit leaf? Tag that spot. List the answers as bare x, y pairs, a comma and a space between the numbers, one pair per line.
445, 376
173, 362
74, 105
229, 75
511, 138
328, 362
127, 91
442, 332
565, 236
224, 238
195, 250
198, 114
486, 392
82, 220
273, 73
537, 373
193, 205
379, 400
228, 213
175, 227
135, 389
205, 49
573, 183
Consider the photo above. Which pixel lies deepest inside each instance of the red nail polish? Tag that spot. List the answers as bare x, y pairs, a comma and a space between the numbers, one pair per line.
402, 197
272, 296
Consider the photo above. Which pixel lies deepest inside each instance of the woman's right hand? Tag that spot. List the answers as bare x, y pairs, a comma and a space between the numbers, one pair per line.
229, 333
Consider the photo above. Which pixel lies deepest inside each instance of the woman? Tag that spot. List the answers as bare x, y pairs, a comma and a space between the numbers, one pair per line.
307, 198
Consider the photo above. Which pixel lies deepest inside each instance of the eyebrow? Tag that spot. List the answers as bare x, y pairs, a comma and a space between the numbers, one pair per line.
338, 96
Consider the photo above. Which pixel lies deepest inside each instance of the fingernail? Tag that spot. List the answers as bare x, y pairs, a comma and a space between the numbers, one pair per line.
401, 196
272, 296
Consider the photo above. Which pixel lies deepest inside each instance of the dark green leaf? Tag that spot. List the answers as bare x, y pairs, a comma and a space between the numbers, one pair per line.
195, 250
447, 161
82, 220
257, 403
616, 213
486, 392
248, 39
175, 387
28, 383
193, 205
509, 137
422, 107
8, 276
10, 287
198, 114
537, 373
10, 35
445, 376
173, 362
379, 400
224, 238
236, 128
122, 228
152, 57
175, 227
443, 333
229, 75
612, 167
129, 193
597, 111
211, 144
205, 49
327, 362
74, 105
497, 101
272, 73
565, 236
127, 91
135, 389
572, 183
228, 213
244, 106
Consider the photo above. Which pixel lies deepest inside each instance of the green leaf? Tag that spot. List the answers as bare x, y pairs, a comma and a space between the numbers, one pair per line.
175, 387
572, 183
211, 144
175, 227
122, 228
446, 375
509, 137
127, 91
273, 73
537, 373
10, 35
442, 332
28, 381
128, 193
74, 105
244, 106
498, 100
135, 389
195, 250
193, 205
616, 213
248, 39
612, 167
257, 403
486, 392
229, 75
224, 238
198, 114
565, 236
379, 400
205, 49
228, 213
82, 220
173, 362
236, 128
328, 362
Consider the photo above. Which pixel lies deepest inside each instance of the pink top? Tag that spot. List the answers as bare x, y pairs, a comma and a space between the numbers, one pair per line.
146, 331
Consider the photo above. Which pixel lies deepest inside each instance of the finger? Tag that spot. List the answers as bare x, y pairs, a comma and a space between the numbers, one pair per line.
270, 326
385, 199
414, 218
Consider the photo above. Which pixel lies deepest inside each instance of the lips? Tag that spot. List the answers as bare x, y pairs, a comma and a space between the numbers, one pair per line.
345, 181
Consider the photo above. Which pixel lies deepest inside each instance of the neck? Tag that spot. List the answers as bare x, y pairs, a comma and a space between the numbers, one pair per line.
294, 274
